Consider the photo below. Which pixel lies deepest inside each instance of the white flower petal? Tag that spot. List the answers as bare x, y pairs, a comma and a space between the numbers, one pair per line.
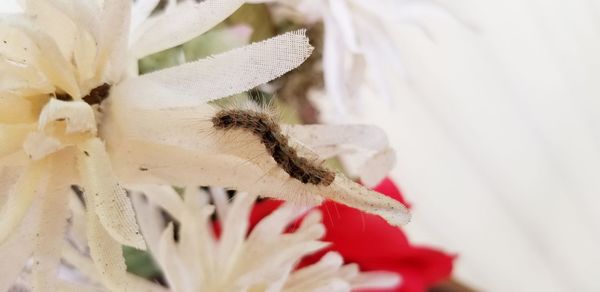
77, 230
377, 167
140, 11
80, 262
334, 64
342, 15
113, 36
110, 201
165, 197
51, 227
249, 172
16, 109
316, 275
32, 181
78, 116
375, 280
17, 249
106, 253
356, 196
276, 222
172, 263
222, 75
150, 219
12, 137
178, 166
374, 159
220, 201
50, 60
183, 23
197, 239
48, 15
39, 145
317, 136
236, 225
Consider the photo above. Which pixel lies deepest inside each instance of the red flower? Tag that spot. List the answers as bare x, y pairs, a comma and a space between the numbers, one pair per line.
373, 244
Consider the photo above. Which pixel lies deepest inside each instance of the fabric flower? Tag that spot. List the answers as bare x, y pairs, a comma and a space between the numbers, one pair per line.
374, 245
195, 258
73, 111
61, 60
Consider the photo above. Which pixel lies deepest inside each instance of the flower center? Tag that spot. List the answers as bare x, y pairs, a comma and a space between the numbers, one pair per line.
96, 95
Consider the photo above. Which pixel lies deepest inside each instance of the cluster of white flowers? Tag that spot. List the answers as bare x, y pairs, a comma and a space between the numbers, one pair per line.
73, 111
235, 259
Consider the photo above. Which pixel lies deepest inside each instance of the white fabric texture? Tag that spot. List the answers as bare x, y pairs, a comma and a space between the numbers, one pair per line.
222, 75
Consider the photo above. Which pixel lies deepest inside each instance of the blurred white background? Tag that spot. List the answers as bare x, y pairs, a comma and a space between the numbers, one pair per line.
495, 117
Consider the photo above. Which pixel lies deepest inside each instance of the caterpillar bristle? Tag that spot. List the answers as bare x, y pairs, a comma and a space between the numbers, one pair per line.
267, 130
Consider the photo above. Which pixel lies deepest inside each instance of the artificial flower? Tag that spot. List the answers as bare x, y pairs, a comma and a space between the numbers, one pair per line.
73, 111
238, 257
372, 244
61, 60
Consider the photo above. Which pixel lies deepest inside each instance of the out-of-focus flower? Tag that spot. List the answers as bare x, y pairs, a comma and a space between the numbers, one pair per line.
374, 245
195, 258
358, 47
71, 97
494, 110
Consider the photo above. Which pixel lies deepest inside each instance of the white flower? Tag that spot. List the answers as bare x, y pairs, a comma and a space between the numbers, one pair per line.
263, 259
69, 86
61, 59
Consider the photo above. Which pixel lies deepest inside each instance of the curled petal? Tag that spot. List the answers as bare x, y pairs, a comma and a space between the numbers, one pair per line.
78, 116
110, 200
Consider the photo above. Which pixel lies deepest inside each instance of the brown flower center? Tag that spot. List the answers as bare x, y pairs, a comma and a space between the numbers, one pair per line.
96, 95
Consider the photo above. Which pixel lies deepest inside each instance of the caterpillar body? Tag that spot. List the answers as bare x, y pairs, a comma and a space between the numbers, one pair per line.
268, 131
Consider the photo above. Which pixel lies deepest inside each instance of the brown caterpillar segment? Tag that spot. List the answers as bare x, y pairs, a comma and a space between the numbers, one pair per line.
269, 133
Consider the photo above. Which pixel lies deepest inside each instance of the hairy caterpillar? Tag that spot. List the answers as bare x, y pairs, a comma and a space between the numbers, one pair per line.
267, 130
